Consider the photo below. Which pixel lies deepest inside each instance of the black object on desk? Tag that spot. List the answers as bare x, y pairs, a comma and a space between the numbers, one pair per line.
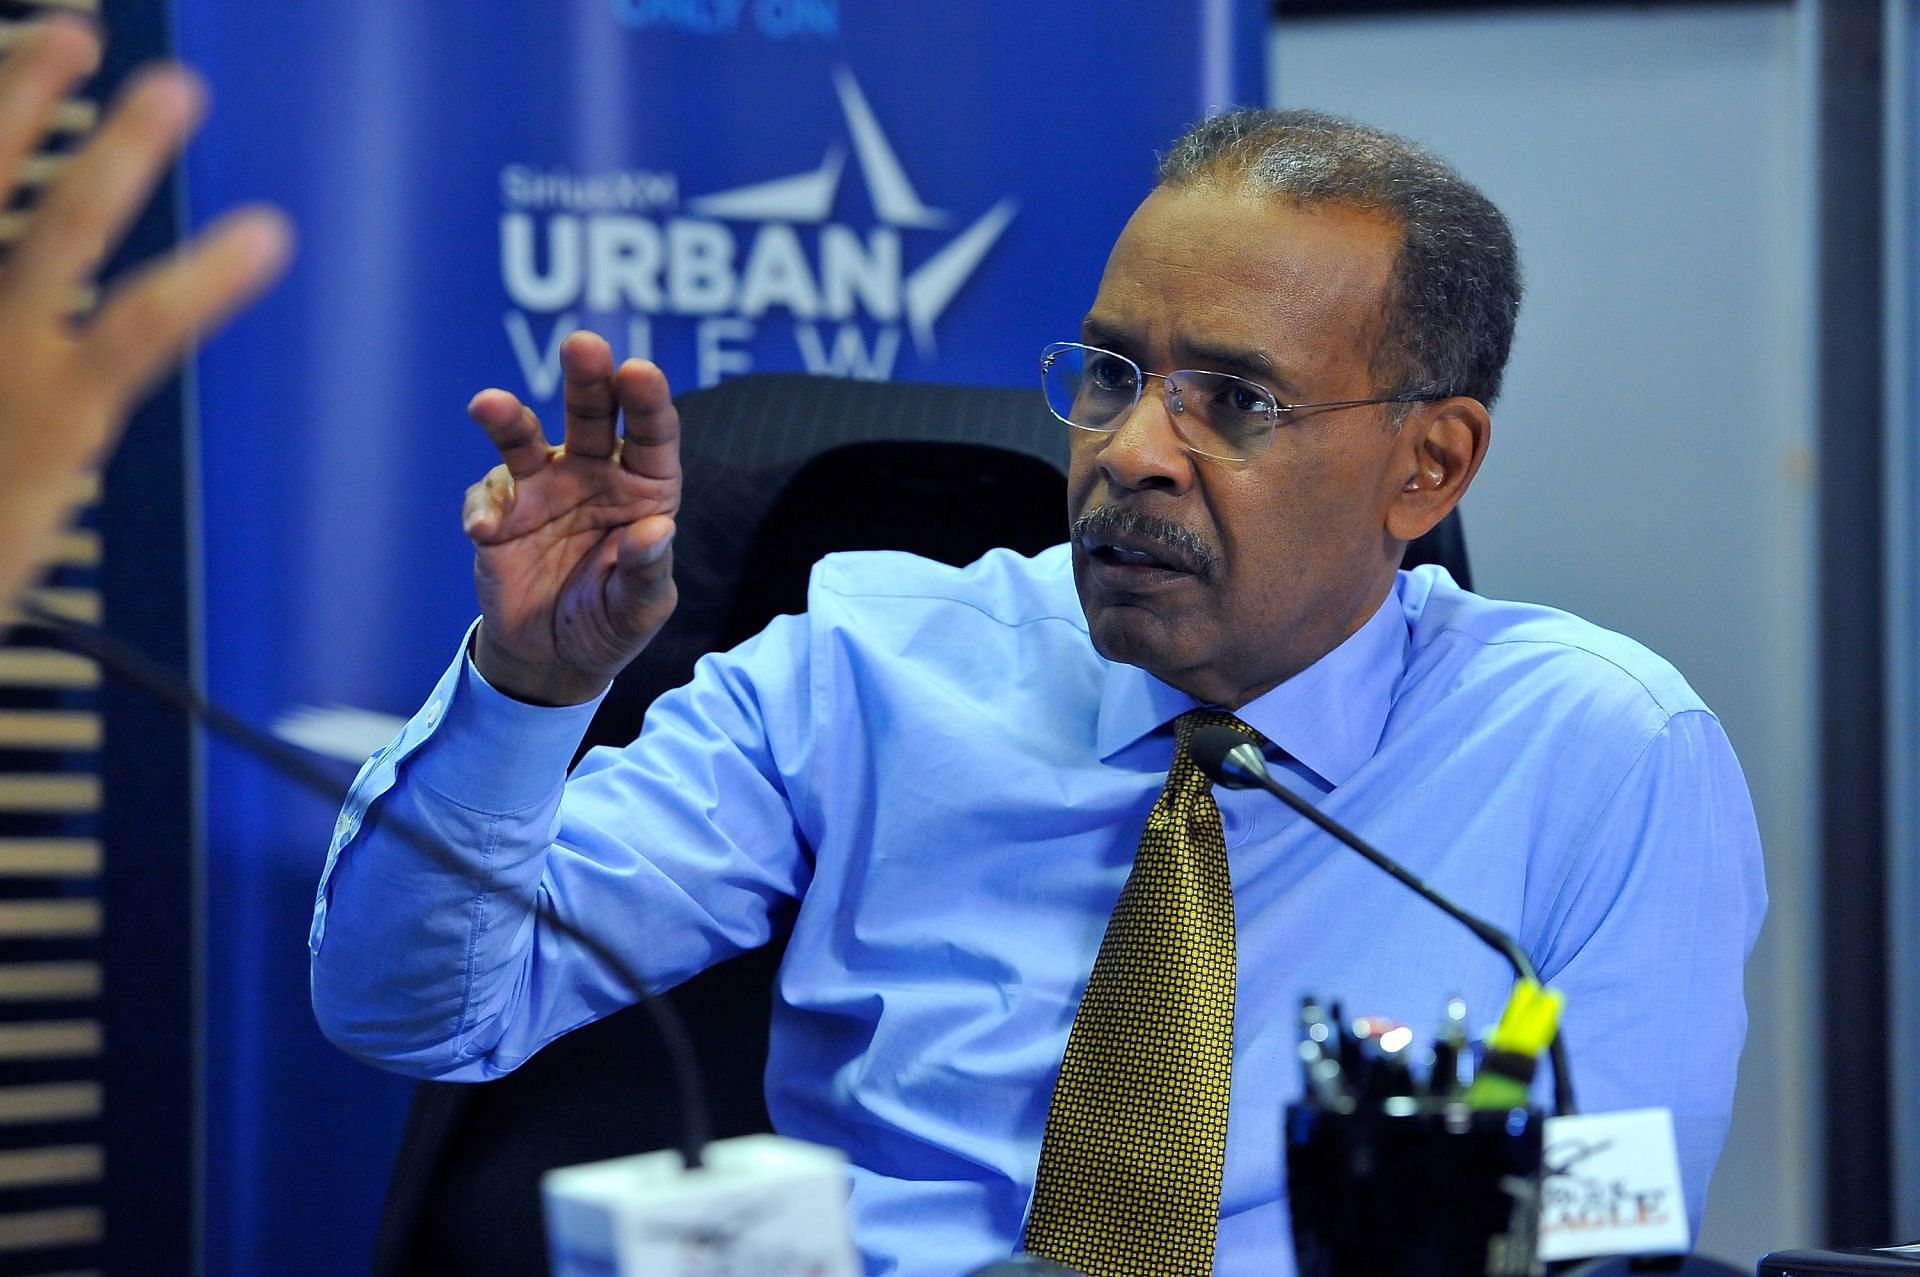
1419, 1193
1876, 1261
1646, 1266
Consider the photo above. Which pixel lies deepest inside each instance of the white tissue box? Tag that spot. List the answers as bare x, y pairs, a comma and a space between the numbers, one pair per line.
760, 1206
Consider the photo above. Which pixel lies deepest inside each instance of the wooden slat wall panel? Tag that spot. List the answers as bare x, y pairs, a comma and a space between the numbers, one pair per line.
76, 981
72, 729
55, 1164
62, 794
43, 1229
53, 1158
39, 170
66, 602
36, 667
27, 919
49, 857
50, 1040
76, 116
49, 1102
78, 547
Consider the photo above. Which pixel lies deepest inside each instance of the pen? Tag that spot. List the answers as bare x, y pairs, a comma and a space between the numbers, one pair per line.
1443, 1078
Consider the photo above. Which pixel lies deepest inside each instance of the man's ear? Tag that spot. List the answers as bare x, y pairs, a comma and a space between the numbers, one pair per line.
1443, 444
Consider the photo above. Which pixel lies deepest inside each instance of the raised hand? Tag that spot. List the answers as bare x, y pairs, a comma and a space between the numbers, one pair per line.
67, 387
573, 545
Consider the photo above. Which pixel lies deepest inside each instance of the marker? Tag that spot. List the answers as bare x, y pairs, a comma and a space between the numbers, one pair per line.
1527, 1028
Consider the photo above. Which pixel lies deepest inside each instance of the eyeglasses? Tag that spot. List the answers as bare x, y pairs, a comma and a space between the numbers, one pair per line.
1215, 414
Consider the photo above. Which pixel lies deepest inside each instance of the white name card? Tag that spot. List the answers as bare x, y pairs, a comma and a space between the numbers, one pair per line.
1612, 1186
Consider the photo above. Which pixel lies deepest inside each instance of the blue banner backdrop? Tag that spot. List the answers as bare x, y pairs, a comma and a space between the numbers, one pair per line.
878, 190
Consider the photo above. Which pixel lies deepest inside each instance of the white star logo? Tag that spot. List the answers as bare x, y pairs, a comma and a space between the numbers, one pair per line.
809, 198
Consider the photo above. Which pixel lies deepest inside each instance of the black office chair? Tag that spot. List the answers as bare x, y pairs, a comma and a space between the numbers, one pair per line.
780, 469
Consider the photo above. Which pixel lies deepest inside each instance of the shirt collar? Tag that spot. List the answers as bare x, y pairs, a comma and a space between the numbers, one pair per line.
1328, 717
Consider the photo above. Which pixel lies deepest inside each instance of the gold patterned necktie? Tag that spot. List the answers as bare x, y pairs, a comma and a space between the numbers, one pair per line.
1136, 1139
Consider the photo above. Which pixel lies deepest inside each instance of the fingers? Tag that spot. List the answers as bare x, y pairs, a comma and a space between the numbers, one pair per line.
487, 504
586, 367
42, 69
150, 319
597, 397
652, 444
514, 430
83, 213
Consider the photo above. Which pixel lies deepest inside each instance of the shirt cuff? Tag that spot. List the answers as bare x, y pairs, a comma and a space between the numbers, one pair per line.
494, 754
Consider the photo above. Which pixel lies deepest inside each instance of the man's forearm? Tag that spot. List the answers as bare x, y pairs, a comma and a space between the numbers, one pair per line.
423, 924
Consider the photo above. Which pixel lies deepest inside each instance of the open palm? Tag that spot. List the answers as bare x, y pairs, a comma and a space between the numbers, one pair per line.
573, 544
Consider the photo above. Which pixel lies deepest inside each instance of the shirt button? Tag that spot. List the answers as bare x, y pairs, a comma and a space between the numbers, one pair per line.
433, 712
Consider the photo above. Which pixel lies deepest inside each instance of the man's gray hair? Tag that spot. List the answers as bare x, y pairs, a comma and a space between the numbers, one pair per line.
1455, 289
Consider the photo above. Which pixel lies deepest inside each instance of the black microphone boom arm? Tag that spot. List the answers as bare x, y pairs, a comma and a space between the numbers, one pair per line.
1229, 758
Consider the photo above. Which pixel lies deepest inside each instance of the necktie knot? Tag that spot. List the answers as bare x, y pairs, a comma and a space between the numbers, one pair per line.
1184, 776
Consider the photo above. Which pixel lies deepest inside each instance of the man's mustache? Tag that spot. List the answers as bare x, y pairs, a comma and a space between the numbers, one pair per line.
1124, 522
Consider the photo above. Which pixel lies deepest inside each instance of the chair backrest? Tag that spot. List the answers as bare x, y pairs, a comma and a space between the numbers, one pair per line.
744, 442
781, 469
947, 501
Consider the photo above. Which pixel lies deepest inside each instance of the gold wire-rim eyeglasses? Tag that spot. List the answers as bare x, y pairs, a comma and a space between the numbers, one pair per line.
1184, 387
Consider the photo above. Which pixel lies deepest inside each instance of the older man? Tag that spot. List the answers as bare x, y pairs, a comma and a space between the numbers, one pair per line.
1035, 960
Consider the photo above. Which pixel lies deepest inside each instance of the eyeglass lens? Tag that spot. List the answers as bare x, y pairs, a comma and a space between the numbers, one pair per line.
1214, 413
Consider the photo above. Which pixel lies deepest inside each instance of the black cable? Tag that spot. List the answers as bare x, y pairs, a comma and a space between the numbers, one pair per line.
141, 670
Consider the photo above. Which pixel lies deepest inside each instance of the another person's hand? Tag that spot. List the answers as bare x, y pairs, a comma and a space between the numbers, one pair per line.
67, 385
573, 545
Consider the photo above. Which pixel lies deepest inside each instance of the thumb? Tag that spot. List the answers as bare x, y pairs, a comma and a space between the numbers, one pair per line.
642, 584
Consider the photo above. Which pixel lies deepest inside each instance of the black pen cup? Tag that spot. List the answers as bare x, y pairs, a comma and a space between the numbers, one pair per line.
1410, 1190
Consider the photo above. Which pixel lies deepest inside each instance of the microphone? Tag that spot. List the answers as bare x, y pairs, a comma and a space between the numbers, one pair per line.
1229, 758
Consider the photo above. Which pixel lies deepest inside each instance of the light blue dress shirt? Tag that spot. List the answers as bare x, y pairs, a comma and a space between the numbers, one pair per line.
951, 781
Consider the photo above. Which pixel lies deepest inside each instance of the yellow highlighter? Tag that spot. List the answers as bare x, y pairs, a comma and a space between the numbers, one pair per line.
1526, 1029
